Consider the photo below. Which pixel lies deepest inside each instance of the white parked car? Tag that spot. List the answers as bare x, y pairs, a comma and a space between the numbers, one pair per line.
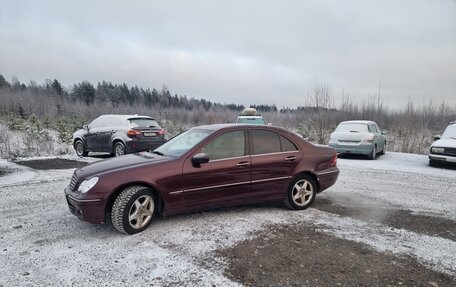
444, 148
250, 116
358, 137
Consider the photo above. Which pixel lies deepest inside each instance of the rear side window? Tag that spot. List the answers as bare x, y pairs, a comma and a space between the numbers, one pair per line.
143, 123
287, 145
228, 145
265, 142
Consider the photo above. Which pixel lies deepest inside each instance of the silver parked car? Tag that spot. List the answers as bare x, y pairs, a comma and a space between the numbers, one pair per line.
444, 148
359, 137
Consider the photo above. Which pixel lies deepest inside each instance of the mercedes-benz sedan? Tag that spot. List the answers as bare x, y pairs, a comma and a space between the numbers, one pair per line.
205, 167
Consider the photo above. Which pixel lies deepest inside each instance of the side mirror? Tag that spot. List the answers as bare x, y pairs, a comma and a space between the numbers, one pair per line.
86, 127
199, 159
437, 137
384, 132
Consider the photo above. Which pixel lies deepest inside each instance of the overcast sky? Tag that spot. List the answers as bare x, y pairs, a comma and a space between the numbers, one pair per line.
244, 52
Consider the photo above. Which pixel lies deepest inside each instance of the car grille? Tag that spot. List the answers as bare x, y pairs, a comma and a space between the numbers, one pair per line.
73, 182
450, 151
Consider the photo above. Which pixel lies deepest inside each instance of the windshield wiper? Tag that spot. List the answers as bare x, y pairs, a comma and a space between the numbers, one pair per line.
354, 131
159, 153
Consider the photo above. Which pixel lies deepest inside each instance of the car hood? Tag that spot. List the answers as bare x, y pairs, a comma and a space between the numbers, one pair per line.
445, 143
119, 163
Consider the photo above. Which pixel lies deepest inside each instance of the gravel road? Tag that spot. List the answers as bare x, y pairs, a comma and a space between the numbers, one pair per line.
386, 222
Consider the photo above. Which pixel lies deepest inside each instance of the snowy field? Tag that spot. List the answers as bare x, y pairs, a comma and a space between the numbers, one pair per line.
41, 243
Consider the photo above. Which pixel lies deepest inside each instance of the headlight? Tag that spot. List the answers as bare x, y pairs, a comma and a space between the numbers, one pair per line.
437, 150
87, 184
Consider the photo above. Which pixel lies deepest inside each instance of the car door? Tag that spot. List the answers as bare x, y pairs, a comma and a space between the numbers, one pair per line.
381, 138
92, 140
274, 157
378, 137
225, 179
106, 131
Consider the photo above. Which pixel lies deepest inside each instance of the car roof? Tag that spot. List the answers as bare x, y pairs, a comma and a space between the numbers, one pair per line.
216, 127
126, 117
358, 122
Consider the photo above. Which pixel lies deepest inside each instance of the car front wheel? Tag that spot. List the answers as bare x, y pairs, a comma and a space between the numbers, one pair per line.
133, 209
301, 193
79, 148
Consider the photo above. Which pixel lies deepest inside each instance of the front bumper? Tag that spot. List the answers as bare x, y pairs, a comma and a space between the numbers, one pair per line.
443, 158
89, 210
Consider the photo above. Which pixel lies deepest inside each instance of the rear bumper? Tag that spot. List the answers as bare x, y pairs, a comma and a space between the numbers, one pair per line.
327, 178
143, 145
353, 149
89, 210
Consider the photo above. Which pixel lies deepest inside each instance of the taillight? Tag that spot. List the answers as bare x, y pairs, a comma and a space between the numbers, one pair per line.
368, 139
161, 132
333, 161
133, 133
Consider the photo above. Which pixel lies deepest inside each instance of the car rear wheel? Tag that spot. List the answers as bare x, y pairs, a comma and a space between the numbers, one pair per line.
301, 193
384, 149
373, 154
119, 149
79, 148
133, 209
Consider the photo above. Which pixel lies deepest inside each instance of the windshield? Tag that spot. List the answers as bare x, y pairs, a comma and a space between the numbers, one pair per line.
182, 143
450, 132
252, 121
143, 123
352, 127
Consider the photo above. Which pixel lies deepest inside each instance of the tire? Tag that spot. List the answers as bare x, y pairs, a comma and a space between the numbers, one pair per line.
133, 209
433, 163
373, 154
79, 148
119, 149
301, 193
384, 149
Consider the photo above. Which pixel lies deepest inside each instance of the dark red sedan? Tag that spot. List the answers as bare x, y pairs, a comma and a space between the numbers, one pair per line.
205, 167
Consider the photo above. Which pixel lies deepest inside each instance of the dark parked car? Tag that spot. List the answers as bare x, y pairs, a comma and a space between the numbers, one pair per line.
119, 135
205, 167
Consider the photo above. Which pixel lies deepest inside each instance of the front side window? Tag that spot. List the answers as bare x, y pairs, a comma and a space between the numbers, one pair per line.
265, 142
228, 145
182, 143
99, 122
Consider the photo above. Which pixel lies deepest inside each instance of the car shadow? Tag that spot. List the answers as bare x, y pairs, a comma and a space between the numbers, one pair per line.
354, 156
444, 165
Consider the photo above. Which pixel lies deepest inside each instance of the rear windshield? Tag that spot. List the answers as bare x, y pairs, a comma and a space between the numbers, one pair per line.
252, 121
352, 127
143, 123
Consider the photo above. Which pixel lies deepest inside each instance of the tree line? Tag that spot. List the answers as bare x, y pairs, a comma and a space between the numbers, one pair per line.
411, 128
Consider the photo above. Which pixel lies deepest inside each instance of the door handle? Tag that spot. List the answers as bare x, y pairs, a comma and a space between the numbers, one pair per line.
243, 163
290, 158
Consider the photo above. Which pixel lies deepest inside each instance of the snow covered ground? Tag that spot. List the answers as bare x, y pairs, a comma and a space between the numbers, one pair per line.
41, 243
